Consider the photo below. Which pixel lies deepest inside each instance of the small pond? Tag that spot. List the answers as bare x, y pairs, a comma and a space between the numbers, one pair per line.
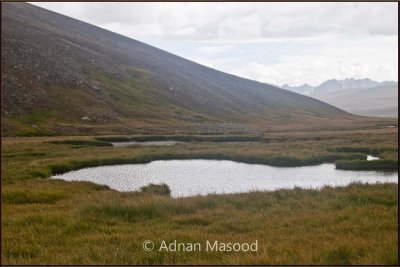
369, 157
202, 177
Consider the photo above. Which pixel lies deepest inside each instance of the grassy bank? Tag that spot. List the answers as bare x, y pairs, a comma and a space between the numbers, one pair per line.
56, 222
80, 143
183, 138
279, 161
377, 165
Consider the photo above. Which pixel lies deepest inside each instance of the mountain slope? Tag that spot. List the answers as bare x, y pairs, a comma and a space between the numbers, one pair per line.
64, 76
357, 96
327, 87
331, 86
373, 101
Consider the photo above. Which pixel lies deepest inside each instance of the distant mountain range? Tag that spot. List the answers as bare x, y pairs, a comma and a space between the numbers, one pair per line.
357, 96
333, 85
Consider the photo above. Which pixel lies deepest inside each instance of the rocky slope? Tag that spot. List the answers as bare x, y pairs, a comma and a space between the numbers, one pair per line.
64, 76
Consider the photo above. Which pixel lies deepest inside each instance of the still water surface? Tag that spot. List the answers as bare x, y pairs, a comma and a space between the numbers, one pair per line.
202, 177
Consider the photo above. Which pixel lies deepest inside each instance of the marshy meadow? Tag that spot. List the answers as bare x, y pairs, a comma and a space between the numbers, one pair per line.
52, 221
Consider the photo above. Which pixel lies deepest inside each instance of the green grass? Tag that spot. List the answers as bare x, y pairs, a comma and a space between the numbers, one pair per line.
184, 138
24, 155
48, 221
353, 149
352, 225
30, 197
107, 212
81, 143
380, 165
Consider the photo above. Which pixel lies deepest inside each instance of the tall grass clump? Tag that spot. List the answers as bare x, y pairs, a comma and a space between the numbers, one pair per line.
80, 143
121, 211
346, 149
156, 189
379, 165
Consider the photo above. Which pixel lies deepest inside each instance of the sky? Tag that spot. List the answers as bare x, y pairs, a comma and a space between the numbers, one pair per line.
276, 43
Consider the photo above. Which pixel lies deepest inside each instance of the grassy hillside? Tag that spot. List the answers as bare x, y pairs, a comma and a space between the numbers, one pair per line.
64, 76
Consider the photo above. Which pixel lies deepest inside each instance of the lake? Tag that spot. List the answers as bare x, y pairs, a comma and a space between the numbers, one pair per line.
202, 177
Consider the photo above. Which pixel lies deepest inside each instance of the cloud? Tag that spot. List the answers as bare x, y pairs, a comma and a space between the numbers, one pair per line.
237, 21
370, 57
275, 43
187, 30
218, 49
218, 63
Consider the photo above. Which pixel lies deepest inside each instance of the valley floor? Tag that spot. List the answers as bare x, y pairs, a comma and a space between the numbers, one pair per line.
56, 222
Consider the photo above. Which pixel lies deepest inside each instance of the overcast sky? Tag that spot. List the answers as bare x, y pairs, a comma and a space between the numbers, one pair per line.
276, 43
